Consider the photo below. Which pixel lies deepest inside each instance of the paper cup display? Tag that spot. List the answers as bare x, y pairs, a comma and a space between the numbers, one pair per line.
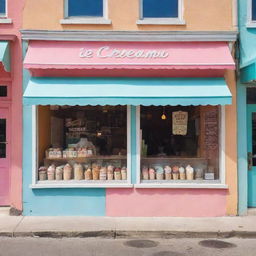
159, 172
88, 174
117, 174
95, 173
168, 172
67, 172
152, 174
182, 173
51, 172
124, 173
145, 174
42, 173
78, 172
110, 172
59, 172
103, 173
175, 172
189, 172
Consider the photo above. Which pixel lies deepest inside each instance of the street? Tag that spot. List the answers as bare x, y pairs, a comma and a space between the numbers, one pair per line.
125, 247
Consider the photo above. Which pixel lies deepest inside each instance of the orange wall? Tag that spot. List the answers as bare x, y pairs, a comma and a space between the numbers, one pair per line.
231, 147
201, 15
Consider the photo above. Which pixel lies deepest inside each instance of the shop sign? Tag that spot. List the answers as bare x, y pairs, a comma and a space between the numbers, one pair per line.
107, 52
179, 123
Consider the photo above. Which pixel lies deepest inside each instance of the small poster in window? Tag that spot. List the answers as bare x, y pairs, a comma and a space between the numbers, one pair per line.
179, 123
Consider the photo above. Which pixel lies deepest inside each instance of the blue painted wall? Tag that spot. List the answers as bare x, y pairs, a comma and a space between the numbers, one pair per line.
247, 38
247, 55
54, 202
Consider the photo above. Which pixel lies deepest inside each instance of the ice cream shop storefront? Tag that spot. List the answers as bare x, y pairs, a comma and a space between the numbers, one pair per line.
129, 129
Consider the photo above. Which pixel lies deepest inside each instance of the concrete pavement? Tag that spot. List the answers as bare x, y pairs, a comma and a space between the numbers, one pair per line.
108, 227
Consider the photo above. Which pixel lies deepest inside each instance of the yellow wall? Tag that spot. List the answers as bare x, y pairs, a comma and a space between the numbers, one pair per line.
199, 15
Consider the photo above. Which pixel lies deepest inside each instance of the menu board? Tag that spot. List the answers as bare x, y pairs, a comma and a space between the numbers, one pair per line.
179, 123
211, 133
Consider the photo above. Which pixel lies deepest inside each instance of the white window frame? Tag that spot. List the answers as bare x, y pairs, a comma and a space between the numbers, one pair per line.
220, 184
84, 19
163, 21
3, 17
250, 23
36, 184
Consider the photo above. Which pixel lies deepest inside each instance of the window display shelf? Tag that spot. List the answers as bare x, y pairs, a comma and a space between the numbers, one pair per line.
81, 184
48, 161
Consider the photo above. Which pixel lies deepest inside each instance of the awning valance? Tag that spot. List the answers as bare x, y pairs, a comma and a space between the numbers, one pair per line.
127, 91
50, 58
4, 57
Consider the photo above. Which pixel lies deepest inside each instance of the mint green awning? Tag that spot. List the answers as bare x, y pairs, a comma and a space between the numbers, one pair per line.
127, 91
5, 55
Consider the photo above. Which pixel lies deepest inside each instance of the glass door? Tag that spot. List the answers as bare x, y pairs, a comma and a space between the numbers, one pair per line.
4, 157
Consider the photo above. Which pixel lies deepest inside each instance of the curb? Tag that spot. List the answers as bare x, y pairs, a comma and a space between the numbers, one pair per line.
119, 234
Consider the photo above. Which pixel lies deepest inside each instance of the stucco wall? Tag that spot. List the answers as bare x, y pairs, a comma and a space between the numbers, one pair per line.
198, 15
15, 8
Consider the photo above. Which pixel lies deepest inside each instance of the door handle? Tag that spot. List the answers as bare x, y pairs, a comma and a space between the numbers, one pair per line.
249, 158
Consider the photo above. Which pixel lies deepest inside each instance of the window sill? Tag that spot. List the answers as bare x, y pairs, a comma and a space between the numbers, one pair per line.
94, 21
251, 24
182, 184
161, 21
5, 21
80, 184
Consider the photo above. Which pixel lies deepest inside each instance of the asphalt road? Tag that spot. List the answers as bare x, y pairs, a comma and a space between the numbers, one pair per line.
124, 247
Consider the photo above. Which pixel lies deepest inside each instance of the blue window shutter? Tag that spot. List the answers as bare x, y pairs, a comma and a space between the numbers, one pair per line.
160, 8
89, 8
253, 9
2, 7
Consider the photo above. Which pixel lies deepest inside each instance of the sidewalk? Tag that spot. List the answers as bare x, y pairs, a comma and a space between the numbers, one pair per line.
244, 227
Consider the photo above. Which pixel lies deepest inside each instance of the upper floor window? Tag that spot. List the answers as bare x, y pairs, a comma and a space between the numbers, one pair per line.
85, 8
165, 12
253, 10
2, 7
160, 9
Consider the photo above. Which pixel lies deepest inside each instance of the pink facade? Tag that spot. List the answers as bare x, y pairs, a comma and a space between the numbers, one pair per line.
12, 106
165, 202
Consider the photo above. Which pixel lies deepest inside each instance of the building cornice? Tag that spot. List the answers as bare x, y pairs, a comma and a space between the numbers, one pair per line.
8, 37
132, 36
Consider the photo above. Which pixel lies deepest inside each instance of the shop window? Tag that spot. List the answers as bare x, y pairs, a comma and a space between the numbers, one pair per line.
3, 91
2, 7
180, 144
85, 8
83, 144
160, 9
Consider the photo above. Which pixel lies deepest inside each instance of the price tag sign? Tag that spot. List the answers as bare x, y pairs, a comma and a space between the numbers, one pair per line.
179, 123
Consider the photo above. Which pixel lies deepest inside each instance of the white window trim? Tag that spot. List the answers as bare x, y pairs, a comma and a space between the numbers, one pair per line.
163, 21
250, 23
36, 184
84, 19
216, 184
3, 17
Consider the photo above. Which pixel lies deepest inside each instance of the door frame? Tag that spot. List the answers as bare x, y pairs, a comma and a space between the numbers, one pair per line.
7, 106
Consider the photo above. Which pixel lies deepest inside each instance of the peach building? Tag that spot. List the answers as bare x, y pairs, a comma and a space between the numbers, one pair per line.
129, 108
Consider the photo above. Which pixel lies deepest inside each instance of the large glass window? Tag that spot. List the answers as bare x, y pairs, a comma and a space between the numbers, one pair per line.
85, 8
160, 9
179, 143
2, 7
82, 143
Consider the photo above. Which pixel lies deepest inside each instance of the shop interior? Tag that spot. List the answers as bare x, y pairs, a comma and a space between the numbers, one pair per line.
89, 138
181, 140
